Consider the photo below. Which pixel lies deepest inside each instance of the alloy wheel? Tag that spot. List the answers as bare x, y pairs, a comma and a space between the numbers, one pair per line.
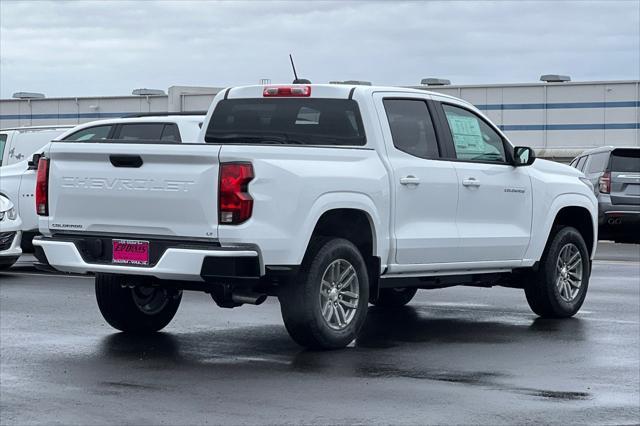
339, 294
569, 270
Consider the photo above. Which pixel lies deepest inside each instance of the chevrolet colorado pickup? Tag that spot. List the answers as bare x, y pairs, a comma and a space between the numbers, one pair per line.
329, 197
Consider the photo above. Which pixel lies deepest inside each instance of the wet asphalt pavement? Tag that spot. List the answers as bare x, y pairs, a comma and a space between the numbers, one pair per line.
456, 356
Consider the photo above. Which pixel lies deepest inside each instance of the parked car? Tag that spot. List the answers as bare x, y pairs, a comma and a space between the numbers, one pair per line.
10, 234
18, 181
19, 143
327, 196
615, 175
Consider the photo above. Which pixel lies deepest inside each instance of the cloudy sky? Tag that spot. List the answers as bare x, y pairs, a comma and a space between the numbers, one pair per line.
80, 48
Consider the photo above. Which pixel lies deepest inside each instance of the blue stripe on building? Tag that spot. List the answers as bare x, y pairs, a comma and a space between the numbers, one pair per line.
559, 105
485, 107
607, 126
63, 116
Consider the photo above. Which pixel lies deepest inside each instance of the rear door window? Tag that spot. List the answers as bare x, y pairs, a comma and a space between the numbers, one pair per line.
3, 143
90, 134
170, 133
625, 160
288, 121
580, 164
411, 127
140, 131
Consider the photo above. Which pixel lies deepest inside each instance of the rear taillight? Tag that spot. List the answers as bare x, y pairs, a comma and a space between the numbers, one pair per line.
42, 187
286, 91
604, 183
234, 202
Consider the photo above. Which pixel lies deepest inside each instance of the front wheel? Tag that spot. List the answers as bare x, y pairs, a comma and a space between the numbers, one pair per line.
135, 309
325, 307
559, 287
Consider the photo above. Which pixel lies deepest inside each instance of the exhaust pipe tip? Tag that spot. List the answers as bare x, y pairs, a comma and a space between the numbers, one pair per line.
249, 298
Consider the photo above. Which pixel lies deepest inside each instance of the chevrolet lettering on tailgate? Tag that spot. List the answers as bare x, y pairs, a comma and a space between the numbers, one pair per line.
124, 184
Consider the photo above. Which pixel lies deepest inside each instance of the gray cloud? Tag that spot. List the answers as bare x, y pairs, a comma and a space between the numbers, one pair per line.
110, 47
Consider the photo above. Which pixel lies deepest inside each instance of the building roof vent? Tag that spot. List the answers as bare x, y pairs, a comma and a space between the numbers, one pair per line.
555, 78
435, 82
28, 95
148, 92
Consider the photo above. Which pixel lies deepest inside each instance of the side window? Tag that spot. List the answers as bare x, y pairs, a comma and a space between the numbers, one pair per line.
170, 133
90, 134
411, 127
581, 162
3, 143
598, 162
141, 131
473, 138
574, 162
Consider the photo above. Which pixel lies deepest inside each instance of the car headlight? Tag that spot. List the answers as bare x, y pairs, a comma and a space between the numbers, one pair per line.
12, 213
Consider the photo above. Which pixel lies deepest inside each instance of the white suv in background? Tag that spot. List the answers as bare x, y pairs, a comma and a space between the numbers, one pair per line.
19, 143
17, 181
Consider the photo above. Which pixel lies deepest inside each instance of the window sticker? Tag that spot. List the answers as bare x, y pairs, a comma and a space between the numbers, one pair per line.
467, 135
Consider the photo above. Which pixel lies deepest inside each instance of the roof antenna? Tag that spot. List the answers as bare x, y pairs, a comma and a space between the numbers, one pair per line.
295, 74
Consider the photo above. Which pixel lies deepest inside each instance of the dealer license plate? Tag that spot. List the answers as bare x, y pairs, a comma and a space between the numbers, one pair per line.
131, 252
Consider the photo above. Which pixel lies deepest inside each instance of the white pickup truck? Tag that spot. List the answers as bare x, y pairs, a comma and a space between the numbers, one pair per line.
330, 197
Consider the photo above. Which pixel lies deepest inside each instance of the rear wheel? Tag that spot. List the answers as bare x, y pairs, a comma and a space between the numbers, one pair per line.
394, 297
137, 309
325, 307
559, 287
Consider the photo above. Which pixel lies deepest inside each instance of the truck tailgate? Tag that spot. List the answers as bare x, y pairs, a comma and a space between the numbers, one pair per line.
134, 189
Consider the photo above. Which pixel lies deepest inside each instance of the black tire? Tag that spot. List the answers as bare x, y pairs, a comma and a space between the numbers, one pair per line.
541, 289
394, 297
300, 299
7, 262
121, 306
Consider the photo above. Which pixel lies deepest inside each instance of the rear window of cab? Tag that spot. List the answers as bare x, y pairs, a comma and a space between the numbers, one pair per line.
288, 121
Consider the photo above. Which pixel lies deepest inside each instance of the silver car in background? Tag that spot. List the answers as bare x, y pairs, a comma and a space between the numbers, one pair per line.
615, 175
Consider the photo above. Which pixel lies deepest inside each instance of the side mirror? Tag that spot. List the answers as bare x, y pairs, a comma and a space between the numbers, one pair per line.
33, 163
523, 156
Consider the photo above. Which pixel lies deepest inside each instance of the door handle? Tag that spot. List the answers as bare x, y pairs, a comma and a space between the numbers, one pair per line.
133, 161
410, 180
471, 182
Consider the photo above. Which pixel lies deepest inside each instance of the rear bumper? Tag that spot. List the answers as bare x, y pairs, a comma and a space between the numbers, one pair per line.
620, 222
627, 213
176, 263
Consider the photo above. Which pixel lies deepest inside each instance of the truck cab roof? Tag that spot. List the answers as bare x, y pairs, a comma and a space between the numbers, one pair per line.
332, 91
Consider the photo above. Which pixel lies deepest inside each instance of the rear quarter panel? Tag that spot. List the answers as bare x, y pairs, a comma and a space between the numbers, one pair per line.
295, 185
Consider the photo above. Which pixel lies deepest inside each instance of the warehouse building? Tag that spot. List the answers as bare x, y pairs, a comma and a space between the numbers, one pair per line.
557, 117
